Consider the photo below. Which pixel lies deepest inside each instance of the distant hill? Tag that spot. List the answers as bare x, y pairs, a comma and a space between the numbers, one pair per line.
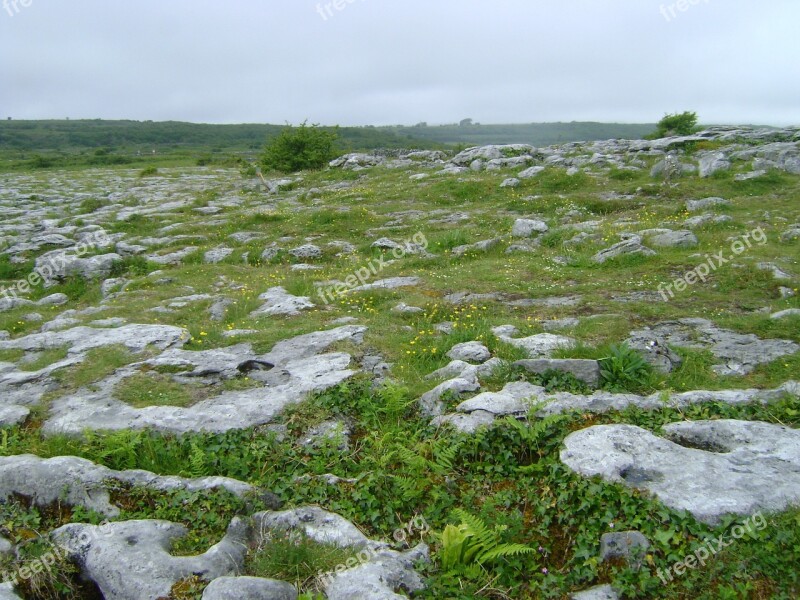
66, 136
70, 136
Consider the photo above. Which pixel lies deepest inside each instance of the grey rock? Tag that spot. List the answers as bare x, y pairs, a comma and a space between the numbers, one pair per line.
739, 353
109, 286
172, 258
793, 233
327, 432
219, 308
625, 247
12, 414
655, 350
466, 423
492, 152
482, 246
587, 371
548, 302
244, 237
713, 162
131, 560
525, 248
125, 249
530, 172
54, 300
6, 547
405, 309
541, 345
306, 251
432, 404
80, 339
296, 368
57, 266
217, 255
558, 324
525, 228
275, 186
705, 203
386, 244
316, 524
600, 592
630, 546
671, 167
7, 592
80, 482
277, 301
789, 312
475, 352
10, 303
743, 466
516, 398
270, 252
777, 272
459, 368
469, 297
600, 402
387, 575
391, 283
511, 182
249, 588
706, 219
750, 175
674, 239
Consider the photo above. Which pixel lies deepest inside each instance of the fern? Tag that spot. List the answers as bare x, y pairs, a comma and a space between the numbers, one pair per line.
473, 543
198, 466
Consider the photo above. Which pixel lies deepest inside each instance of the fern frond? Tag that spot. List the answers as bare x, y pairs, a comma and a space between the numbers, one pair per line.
503, 551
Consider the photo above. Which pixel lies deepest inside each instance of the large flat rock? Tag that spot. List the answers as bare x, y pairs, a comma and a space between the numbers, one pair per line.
708, 468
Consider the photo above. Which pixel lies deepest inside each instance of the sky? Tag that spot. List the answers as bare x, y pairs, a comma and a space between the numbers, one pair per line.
388, 62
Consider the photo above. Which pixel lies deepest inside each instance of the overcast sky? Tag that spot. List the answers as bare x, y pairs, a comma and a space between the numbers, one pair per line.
387, 62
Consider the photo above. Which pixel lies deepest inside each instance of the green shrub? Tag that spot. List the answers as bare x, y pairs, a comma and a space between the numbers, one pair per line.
299, 148
148, 172
624, 369
684, 123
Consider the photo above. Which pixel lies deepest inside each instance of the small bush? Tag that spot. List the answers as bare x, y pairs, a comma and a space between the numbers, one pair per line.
624, 370
684, 123
148, 172
299, 148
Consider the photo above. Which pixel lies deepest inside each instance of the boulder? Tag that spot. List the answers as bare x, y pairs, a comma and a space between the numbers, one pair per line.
473, 352
709, 468
525, 228
249, 588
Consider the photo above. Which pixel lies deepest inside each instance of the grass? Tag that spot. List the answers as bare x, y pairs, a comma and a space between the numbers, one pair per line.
510, 477
146, 389
98, 364
43, 359
297, 559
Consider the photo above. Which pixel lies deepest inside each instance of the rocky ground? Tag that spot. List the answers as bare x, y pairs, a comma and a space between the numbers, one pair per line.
218, 387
